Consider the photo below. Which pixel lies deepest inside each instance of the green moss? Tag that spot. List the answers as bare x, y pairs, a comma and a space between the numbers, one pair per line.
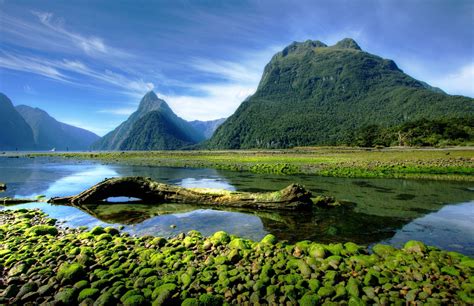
39, 230
414, 246
262, 273
190, 302
383, 250
97, 230
88, 293
66, 297
239, 244
71, 272
134, 300
269, 239
220, 238
210, 300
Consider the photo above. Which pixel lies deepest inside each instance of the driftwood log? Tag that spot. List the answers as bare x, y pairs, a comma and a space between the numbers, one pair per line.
293, 197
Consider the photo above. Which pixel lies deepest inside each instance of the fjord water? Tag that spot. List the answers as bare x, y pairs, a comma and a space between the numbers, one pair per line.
391, 211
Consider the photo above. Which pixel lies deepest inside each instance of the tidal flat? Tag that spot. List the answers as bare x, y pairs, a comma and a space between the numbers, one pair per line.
44, 262
413, 163
145, 254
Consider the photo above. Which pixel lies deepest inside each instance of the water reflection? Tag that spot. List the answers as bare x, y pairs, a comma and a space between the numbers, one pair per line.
387, 210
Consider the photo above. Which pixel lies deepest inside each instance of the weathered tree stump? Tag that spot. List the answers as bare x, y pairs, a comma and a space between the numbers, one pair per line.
293, 197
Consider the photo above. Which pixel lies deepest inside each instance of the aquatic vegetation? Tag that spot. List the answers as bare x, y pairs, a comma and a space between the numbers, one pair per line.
104, 266
444, 164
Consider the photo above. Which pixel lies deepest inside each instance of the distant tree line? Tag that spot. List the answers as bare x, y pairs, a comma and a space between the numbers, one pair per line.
423, 132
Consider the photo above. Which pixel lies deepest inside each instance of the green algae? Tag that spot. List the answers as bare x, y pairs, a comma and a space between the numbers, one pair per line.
196, 270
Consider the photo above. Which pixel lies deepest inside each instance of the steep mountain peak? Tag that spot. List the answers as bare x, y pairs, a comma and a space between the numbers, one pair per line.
5, 100
297, 47
34, 110
347, 43
151, 102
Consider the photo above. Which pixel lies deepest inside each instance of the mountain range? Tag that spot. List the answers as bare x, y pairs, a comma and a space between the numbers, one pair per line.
15, 133
27, 128
154, 126
314, 94
309, 94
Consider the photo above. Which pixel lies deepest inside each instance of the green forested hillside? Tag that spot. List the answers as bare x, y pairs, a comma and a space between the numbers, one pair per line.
146, 129
156, 131
423, 132
312, 94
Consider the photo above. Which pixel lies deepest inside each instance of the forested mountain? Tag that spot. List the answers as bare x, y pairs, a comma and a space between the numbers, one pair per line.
15, 133
154, 126
49, 133
314, 94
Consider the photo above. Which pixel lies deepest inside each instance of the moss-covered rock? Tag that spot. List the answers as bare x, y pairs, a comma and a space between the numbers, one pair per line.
67, 296
71, 273
191, 269
88, 293
269, 240
39, 230
383, 250
414, 246
220, 238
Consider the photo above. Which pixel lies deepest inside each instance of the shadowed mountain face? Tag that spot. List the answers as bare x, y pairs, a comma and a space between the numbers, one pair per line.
313, 94
154, 126
15, 133
207, 128
49, 133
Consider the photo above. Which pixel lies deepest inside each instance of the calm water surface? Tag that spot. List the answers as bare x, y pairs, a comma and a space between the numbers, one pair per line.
387, 210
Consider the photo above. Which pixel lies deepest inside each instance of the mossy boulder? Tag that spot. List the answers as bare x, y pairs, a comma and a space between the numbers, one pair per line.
67, 296
190, 302
39, 230
239, 244
220, 238
97, 230
269, 240
71, 273
134, 300
414, 246
88, 293
383, 250
210, 300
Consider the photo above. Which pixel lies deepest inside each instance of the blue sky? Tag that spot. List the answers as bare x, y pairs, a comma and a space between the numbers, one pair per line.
88, 63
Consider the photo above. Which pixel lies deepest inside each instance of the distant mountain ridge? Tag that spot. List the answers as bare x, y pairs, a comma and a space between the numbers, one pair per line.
314, 94
49, 133
154, 126
27, 128
15, 133
207, 128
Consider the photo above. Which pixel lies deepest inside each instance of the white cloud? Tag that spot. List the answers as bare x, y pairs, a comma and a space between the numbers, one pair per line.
29, 90
460, 82
220, 101
124, 111
91, 45
238, 80
32, 65
67, 70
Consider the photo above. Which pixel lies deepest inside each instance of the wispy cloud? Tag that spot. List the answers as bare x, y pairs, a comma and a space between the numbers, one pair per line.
236, 81
91, 45
67, 70
460, 82
29, 90
124, 111
32, 65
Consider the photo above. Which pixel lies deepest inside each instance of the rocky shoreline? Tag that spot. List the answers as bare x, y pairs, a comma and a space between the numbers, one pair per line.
42, 262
